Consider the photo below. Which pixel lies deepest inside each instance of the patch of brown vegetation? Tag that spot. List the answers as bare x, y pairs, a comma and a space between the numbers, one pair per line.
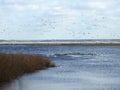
14, 65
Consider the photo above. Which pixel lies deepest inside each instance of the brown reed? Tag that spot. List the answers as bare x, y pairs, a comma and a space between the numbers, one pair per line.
15, 65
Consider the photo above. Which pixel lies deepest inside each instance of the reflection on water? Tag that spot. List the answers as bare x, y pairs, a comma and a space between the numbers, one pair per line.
100, 71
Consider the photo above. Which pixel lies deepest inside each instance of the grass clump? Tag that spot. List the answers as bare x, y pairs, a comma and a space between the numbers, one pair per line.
14, 65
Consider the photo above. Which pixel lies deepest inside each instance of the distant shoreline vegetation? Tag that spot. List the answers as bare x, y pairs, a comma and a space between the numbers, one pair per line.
15, 65
63, 42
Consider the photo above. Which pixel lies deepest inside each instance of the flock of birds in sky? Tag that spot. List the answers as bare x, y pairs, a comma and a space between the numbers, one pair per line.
37, 24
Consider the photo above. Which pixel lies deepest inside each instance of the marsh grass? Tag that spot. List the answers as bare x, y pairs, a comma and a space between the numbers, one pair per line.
15, 65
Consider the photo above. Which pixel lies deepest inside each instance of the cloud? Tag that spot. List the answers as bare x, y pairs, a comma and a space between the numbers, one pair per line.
22, 1
1, 8
100, 5
65, 16
25, 7
64, 11
57, 8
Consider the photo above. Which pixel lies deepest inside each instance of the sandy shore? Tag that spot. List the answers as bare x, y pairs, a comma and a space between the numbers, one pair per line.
61, 43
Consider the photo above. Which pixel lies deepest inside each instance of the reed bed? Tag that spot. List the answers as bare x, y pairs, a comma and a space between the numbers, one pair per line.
15, 65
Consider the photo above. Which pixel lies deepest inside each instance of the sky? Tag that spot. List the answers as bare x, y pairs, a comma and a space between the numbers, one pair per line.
59, 19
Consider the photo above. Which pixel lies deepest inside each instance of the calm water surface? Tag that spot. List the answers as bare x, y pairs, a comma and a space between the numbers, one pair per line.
78, 68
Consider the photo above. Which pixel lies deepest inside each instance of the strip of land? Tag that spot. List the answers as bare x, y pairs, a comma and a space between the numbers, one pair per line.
62, 43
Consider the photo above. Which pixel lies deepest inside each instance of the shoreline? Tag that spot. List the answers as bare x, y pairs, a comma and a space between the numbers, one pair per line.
62, 43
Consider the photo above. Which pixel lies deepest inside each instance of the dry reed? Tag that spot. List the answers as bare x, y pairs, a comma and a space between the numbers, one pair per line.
14, 65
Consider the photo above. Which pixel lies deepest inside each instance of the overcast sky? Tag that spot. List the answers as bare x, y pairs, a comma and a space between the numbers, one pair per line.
59, 19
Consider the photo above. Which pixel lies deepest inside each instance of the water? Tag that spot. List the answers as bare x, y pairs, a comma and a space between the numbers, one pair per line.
78, 68
61, 40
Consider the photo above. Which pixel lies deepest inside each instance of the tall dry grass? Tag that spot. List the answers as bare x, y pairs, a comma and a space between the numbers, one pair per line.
14, 65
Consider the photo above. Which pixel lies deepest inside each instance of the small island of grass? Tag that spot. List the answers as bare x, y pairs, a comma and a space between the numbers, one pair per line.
15, 65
